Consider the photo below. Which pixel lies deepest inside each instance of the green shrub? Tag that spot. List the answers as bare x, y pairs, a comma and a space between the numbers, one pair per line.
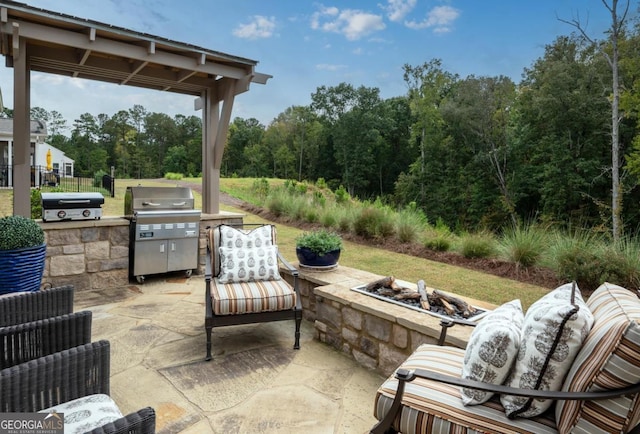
477, 245
321, 183
523, 246
320, 241
311, 214
373, 222
260, 188
174, 176
36, 204
409, 224
17, 232
578, 256
328, 218
439, 243
277, 203
97, 178
341, 194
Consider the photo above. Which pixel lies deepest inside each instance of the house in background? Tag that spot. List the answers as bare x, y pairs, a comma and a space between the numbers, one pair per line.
61, 165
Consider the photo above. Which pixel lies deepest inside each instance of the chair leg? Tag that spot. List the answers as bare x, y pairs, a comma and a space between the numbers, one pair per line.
208, 330
296, 345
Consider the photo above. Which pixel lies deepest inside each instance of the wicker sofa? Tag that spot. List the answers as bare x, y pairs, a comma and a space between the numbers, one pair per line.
21, 307
599, 394
23, 342
67, 380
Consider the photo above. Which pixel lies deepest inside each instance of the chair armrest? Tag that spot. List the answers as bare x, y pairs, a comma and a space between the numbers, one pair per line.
32, 306
23, 342
56, 378
500, 389
141, 422
404, 376
293, 270
450, 322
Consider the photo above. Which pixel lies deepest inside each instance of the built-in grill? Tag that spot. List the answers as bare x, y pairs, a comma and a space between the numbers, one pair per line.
164, 230
71, 206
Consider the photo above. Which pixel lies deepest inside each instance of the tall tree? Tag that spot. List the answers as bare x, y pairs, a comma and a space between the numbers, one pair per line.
615, 33
428, 85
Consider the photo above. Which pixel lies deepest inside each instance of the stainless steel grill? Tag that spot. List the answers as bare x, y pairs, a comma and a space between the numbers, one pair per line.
164, 230
71, 206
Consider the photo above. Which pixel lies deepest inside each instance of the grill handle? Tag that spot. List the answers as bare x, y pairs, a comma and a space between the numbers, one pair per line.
63, 201
150, 204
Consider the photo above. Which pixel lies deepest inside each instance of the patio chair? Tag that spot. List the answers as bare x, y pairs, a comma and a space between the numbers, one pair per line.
23, 342
243, 284
74, 382
21, 307
600, 392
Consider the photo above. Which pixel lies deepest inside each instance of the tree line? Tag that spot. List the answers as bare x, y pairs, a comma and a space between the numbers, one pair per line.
472, 152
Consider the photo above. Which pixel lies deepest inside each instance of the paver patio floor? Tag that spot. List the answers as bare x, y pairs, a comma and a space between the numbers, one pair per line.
256, 382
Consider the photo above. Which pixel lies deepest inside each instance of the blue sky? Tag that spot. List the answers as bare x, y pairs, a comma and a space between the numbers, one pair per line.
307, 44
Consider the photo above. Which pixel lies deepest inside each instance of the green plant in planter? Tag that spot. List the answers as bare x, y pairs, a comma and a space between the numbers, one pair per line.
320, 241
18, 232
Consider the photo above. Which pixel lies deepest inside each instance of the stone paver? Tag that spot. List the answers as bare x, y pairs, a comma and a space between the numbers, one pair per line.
256, 383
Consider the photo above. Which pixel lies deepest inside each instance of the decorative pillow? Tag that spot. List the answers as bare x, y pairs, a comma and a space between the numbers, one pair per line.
492, 350
247, 256
553, 332
87, 413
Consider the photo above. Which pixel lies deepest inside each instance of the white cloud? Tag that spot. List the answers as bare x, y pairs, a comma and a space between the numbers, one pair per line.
398, 9
439, 18
329, 67
260, 27
352, 23
358, 51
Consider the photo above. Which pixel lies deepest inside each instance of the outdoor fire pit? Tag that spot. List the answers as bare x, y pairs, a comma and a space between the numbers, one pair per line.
436, 303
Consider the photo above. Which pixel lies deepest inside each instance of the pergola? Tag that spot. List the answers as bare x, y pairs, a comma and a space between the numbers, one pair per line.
33, 39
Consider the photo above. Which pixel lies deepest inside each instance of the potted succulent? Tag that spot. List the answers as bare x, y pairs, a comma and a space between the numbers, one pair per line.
319, 249
22, 253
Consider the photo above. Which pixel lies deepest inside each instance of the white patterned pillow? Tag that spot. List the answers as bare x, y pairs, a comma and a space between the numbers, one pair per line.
554, 329
87, 413
492, 350
247, 256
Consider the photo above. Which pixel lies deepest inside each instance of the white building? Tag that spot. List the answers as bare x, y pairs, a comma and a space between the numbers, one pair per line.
60, 163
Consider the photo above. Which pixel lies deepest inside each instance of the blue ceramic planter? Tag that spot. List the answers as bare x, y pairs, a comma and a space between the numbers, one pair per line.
311, 259
21, 269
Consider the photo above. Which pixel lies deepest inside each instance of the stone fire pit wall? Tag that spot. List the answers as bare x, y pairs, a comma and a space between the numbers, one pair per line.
378, 334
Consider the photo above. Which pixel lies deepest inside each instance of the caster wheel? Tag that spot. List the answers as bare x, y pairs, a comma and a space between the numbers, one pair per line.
188, 273
140, 279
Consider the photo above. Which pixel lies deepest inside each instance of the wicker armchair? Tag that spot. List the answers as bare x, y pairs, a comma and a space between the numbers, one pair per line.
65, 376
23, 342
22, 307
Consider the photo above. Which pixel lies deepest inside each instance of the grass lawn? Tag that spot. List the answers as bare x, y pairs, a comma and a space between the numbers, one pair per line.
458, 280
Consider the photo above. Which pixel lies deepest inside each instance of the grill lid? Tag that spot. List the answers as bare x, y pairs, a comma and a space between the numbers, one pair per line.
157, 198
72, 200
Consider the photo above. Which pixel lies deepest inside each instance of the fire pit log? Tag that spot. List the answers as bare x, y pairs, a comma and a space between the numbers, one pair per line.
424, 295
387, 282
402, 294
451, 304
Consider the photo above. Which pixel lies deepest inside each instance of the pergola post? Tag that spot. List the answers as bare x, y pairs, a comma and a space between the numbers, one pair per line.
215, 127
21, 127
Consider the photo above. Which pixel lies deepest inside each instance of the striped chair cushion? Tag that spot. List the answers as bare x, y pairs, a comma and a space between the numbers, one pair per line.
610, 358
433, 407
251, 297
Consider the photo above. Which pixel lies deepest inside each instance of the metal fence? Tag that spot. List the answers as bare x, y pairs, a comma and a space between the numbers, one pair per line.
51, 179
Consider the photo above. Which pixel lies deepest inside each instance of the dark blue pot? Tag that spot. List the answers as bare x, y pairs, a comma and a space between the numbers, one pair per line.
21, 269
312, 259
